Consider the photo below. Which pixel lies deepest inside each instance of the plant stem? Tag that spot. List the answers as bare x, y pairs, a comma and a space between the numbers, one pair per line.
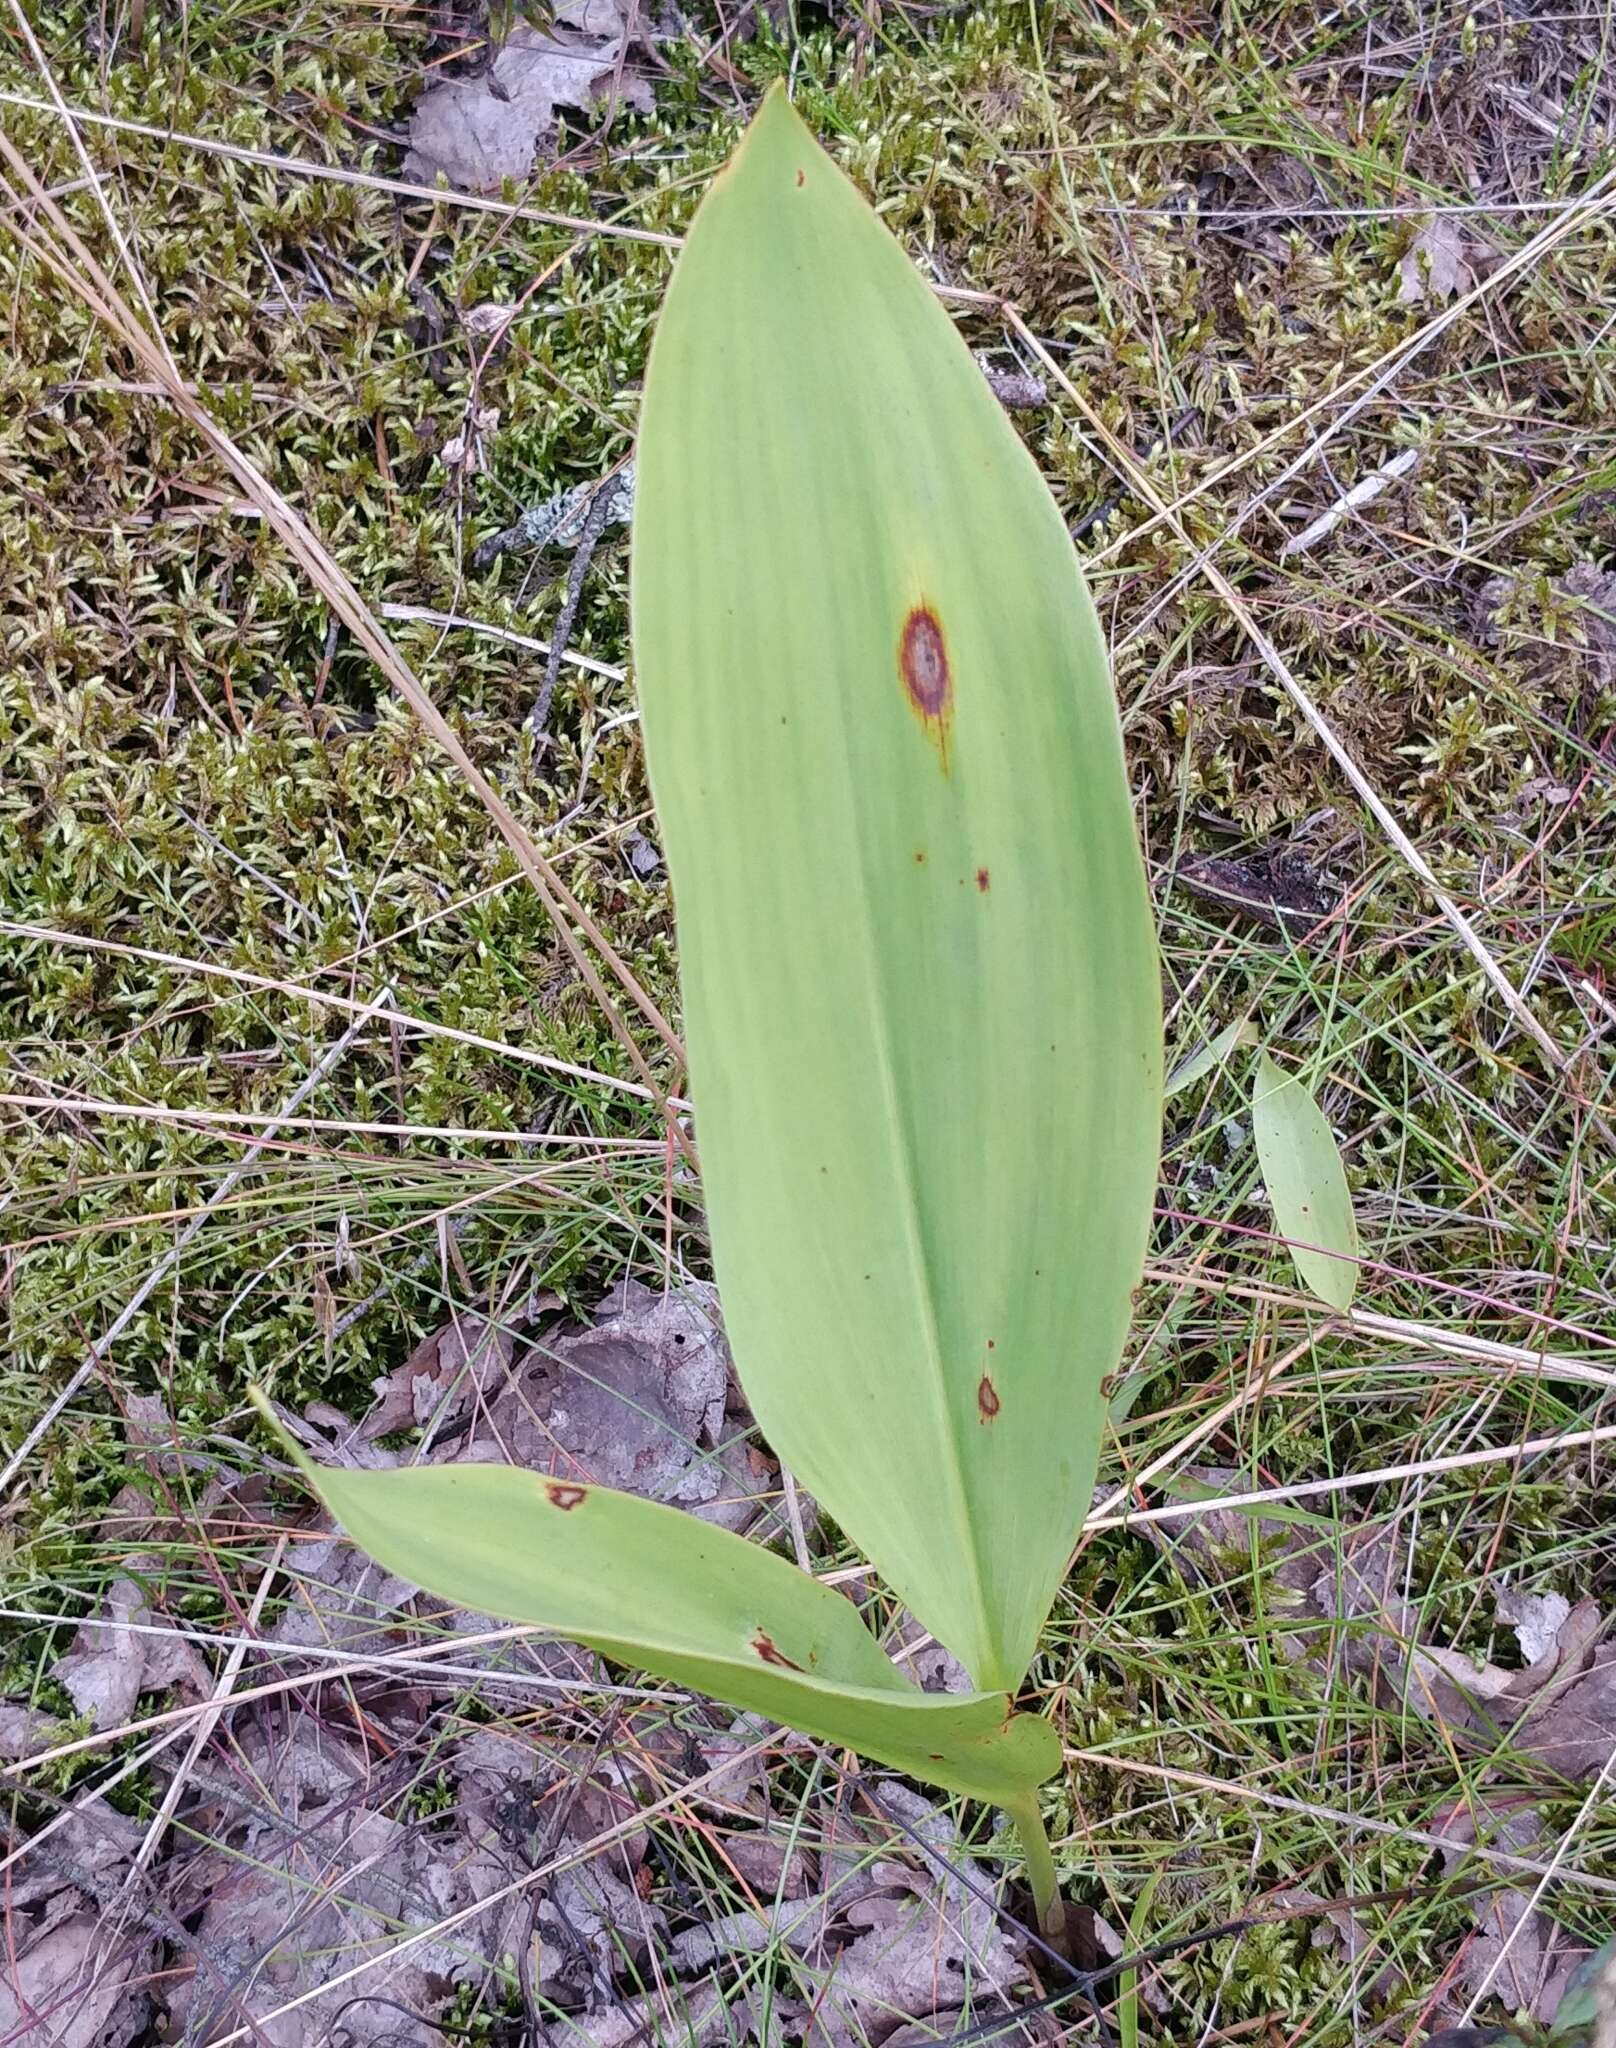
1046, 1898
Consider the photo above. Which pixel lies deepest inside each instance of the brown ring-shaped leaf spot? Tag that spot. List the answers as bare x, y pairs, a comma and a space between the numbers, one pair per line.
561, 1494
927, 674
988, 1403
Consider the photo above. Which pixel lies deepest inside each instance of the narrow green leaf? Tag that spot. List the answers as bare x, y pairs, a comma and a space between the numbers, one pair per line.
921, 994
1306, 1183
1199, 1064
657, 1589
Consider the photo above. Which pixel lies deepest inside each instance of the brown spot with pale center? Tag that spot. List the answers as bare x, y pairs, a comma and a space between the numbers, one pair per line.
561, 1495
987, 1398
765, 1647
923, 662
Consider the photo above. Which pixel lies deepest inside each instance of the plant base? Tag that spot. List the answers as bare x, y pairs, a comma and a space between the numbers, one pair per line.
1048, 1909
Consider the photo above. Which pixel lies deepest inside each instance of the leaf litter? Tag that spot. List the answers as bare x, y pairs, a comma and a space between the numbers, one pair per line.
1554, 1717
480, 130
374, 1824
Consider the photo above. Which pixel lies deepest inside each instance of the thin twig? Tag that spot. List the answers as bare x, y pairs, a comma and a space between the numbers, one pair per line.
602, 512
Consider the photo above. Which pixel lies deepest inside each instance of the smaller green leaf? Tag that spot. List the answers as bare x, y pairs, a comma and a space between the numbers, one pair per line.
1306, 1183
1199, 1064
1589, 1997
655, 1588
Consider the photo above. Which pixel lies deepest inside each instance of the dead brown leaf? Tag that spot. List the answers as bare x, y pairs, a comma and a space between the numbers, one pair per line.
70, 1985
633, 1401
644, 1399
1439, 263
892, 1935
479, 131
342, 1601
467, 1359
127, 1652
1518, 1954
307, 1874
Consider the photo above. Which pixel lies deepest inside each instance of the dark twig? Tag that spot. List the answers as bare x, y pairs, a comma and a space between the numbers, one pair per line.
603, 510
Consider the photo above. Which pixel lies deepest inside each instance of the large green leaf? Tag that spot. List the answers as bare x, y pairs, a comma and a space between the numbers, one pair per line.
920, 986
1306, 1183
657, 1589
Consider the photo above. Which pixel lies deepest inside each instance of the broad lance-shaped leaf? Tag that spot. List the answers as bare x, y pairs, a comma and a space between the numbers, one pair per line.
1306, 1183
657, 1589
920, 985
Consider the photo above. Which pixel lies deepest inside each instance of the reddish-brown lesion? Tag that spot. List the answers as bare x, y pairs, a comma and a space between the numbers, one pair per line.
927, 674
984, 881
771, 1653
561, 1493
988, 1403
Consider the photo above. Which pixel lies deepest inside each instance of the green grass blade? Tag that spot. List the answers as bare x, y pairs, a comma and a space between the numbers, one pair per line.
1306, 1183
656, 1589
920, 985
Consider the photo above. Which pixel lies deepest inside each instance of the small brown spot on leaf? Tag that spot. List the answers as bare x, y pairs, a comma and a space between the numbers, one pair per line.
984, 880
802, 177
765, 1647
920, 856
992, 1345
987, 1398
561, 1495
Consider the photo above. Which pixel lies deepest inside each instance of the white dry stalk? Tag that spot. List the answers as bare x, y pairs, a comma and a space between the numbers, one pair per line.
1395, 1330
1315, 1489
1364, 492
424, 615
1254, 1390
333, 174
348, 1667
397, 188
331, 1653
230, 1119
348, 1005
169, 1261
